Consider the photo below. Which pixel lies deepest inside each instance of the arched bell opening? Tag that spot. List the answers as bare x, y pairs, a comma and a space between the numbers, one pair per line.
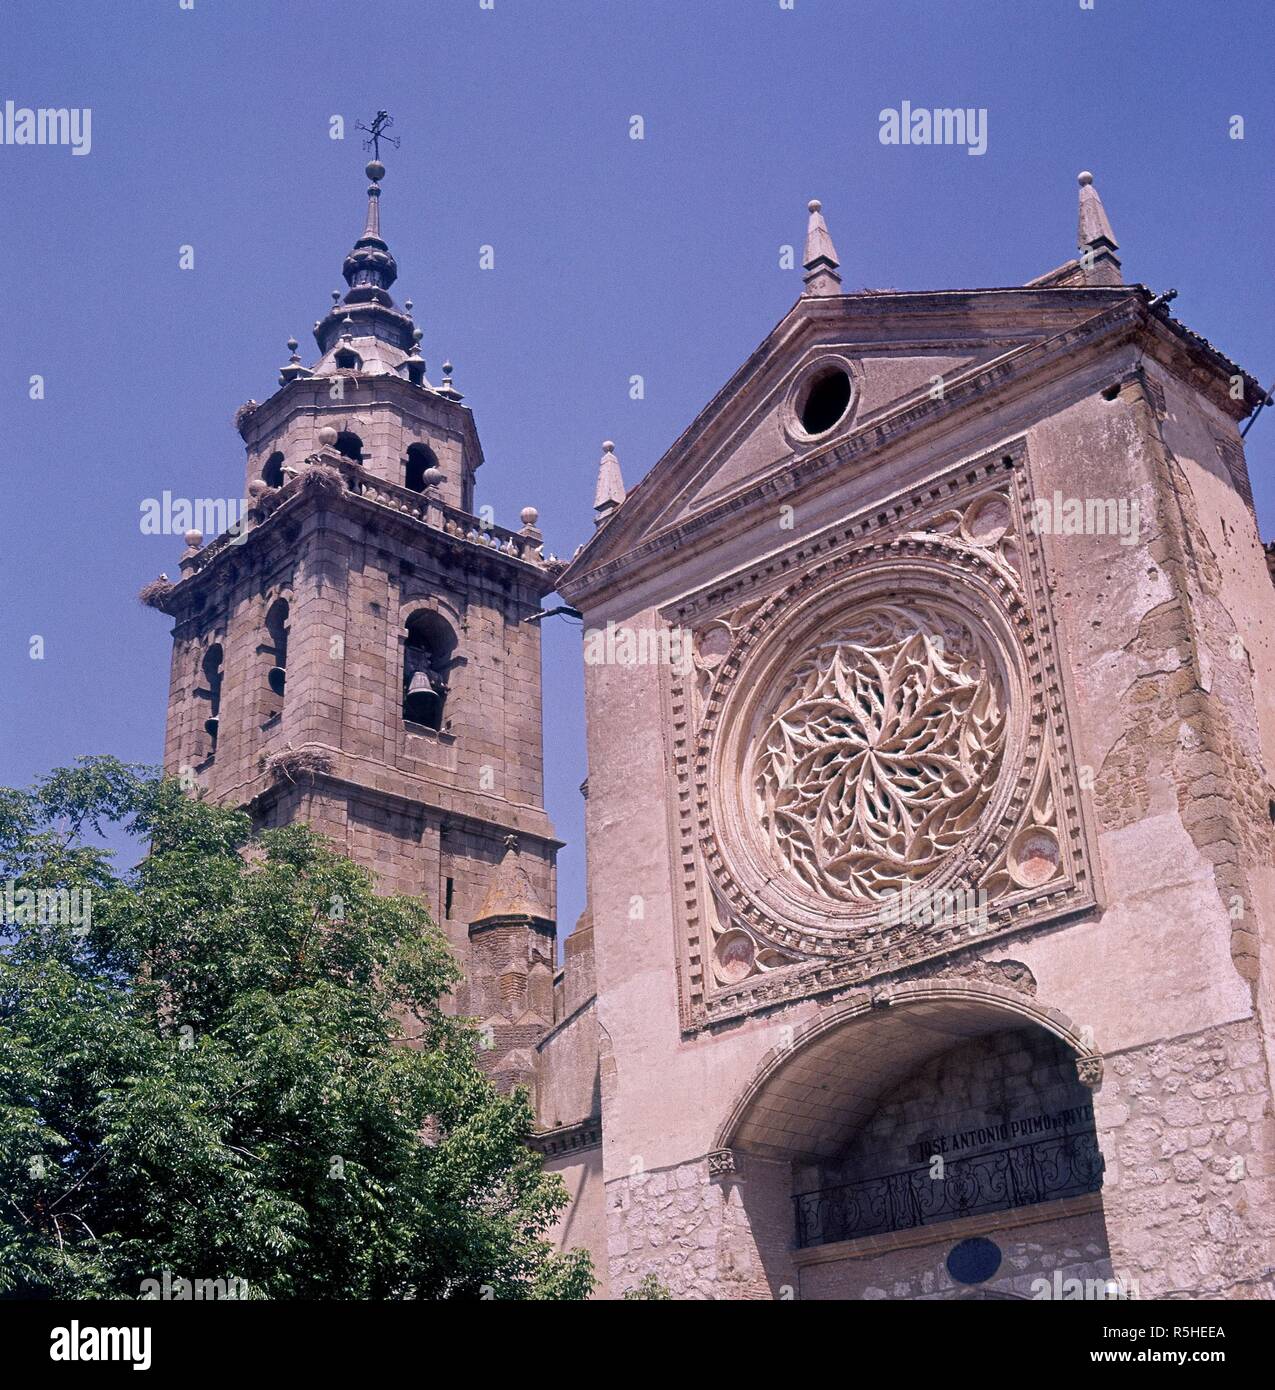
272, 470
275, 651
211, 670
350, 445
428, 656
419, 466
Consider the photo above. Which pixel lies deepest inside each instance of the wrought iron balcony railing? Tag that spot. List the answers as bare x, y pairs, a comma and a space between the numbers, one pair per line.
1019, 1176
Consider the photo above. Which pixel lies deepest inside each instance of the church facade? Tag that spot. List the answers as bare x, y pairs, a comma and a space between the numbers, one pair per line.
931, 872
931, 792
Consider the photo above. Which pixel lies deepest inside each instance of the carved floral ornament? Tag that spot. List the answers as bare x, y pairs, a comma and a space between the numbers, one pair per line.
871, 738
879, 751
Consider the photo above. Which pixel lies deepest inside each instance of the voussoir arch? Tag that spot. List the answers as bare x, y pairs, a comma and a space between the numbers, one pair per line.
808, 1097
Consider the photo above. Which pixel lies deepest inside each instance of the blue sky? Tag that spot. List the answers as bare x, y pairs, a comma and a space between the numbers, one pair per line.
613, 257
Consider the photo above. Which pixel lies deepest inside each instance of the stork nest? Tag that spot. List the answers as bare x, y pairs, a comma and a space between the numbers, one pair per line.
323, 477
154, 593
292, 764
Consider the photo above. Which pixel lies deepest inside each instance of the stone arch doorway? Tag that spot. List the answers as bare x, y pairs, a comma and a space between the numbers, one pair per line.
895, 1128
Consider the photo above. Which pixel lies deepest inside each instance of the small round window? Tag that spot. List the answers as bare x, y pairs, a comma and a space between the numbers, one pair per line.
824, 401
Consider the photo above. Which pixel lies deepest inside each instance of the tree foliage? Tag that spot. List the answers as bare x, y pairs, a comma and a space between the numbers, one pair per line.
650, 1289
236, 1066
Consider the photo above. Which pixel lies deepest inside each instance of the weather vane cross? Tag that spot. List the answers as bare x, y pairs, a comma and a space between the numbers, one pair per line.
376, 133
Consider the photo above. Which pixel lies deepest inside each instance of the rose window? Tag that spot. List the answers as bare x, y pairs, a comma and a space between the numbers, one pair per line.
878, 751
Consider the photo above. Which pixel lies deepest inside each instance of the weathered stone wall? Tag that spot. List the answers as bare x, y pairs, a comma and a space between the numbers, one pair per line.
1186, 1129
1063, 1258
583, 1223
567, 1087
693, 1232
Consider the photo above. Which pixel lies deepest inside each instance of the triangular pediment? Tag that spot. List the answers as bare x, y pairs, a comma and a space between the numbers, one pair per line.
904, 354
880, 379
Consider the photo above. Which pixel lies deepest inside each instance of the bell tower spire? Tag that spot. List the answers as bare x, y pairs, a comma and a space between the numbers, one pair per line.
370, 268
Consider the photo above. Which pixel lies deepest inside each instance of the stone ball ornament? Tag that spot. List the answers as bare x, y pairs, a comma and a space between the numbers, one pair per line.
327, 435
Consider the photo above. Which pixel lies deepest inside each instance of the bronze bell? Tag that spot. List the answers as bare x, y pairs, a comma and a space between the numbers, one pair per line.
277, 678
211, 725
422, 700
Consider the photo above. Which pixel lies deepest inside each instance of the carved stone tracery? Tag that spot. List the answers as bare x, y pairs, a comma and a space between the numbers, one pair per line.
881, 753
886, 722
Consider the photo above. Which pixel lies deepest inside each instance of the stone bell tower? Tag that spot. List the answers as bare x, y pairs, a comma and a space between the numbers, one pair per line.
356, 652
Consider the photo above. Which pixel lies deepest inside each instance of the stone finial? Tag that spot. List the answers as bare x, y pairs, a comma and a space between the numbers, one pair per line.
609, 492
820, 257
534, 551
293, 369
1096, 241
415, 363
190, 556
447, 388
372, 228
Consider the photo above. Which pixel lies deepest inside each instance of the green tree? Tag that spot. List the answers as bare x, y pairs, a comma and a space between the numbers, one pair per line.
649, 1288
235, 1066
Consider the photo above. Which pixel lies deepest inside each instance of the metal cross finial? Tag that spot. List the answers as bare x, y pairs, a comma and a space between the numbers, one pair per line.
376, 132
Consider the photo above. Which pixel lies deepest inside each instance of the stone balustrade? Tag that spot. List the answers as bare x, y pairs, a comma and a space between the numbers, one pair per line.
421, 506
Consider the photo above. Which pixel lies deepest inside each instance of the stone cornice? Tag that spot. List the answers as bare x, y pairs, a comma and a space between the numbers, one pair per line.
577, 1137
414, 795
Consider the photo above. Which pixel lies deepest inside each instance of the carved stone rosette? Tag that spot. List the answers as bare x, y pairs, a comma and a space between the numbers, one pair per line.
1089, 1071
872, 759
